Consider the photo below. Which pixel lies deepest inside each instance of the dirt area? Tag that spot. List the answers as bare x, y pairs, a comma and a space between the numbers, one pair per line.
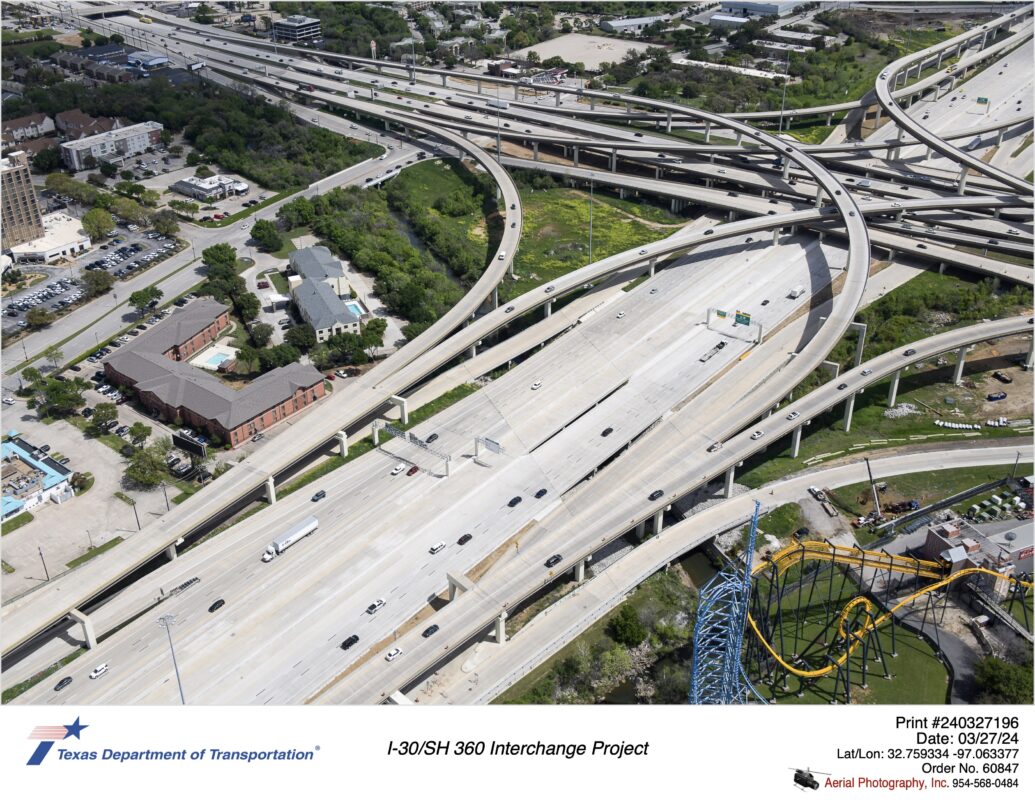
71, 39
477, 572
820, 524
1000, 356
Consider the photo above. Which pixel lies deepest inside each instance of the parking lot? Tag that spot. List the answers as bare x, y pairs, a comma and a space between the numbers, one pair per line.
127, 251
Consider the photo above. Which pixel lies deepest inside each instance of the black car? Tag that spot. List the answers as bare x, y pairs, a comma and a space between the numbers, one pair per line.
540, 494
61, 684
910, 352
87, 412
553, 560
320, 495
842, 386
217, 605
514, 501
801, 533
349, 642
997, 396
464, 539
429, 631
655, 495
607, 431
431, 438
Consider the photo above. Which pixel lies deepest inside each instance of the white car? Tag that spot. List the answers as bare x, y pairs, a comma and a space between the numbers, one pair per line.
438, 547
536, 385
793, 415
99, 670
643, 252
393, 654
621, 315
244, 227
8, 401
376, 606
397, 469
867, 371
758, 435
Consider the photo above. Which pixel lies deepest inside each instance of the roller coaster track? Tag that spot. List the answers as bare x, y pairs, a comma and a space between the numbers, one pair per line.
862, 559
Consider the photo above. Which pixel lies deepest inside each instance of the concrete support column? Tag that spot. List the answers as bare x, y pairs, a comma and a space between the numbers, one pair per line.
786, 168
891, 254
860, 342
557, 98
614, 160
592, 103
830, 118
941, 267
580, 569
732, 215
457, 585
515, 91
999, 136
961, 187
501, 628
495, 297
472, 351
343, 443
672, 205
659, 521
87, 624
651, 265
400, 403
776, 235
707, 132
621, 194
443, 80
961, 359
893, 389
936, 66
849, 408
795, 441
668, 121
575, 152
1031, 351
271, 491
740, 137
478, 86
548, 308
727, 489
819, 196
399, 699
535, 151
170, 552
641, 528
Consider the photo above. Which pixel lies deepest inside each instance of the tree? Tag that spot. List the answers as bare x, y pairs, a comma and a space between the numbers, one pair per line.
193, 159
372, 335
38, 318
97, 222
220, 255
1002, 682
204, 171
147, 465
103, 413
532, 57
61, 398
204, 15
54, 355
47, 160
97, 281
143, 299
625, 627
108, 169
90, 162
184, 207
165, 223
138, 431
261, 334
265, 232
247, 305
301, 336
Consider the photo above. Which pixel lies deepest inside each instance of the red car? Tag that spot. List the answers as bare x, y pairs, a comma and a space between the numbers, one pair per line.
330, 376
413, 470
263, 284
217, 216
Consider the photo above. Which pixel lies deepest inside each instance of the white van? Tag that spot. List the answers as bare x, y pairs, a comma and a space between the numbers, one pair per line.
98, 671
864, 184
437, 548
797, 292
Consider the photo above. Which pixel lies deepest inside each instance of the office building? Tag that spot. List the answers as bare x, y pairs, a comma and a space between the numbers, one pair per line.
22, 220
296, 28
114, 145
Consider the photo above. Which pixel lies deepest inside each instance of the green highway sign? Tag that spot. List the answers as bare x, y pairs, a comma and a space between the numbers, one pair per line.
982, 101
742, 318
720, 313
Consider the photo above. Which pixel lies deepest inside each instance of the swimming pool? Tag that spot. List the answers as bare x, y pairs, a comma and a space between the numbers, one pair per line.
216, 359
354, 307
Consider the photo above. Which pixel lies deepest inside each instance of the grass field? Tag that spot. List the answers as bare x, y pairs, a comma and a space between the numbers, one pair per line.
556, 235
289, 246
15, 522
93, 552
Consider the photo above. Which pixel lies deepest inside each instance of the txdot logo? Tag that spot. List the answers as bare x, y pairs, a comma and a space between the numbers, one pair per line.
48, 734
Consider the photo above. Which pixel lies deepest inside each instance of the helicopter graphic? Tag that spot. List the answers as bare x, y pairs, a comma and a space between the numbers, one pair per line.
805, 778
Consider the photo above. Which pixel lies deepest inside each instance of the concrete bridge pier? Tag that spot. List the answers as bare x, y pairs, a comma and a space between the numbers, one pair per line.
472, 351
557, 98
400, 403
614, 160
659, 521
849, 409
271, 490
170, 551
443, 81
457, 585
830, 118
580, 569
548, 308
575, 155
535, 151
795, 441
501, 628
893, 389
87, 625
961, 187
399, 699
860, 342
961, 360
651, 265
343, 443
641, 529
1031, 351
727, 489
516, 91
786, 168
668, 121
707, 132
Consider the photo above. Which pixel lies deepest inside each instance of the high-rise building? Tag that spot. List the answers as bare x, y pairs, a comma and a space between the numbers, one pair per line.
22, 221
296, 28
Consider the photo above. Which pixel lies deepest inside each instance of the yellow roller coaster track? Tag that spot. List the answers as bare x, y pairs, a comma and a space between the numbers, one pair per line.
814, 551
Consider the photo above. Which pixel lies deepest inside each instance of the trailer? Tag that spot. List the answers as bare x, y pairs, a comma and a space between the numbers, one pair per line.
290, 537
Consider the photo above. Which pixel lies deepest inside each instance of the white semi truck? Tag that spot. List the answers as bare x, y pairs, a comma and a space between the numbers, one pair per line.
290, 537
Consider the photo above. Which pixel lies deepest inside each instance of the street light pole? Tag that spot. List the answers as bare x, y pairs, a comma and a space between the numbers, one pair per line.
167, 621
45, 570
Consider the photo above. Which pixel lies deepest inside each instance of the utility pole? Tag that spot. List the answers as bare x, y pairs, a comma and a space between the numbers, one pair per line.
45, 570
167, 621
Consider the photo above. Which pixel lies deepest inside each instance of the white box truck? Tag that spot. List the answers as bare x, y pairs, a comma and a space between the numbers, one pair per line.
797, 292
289, 537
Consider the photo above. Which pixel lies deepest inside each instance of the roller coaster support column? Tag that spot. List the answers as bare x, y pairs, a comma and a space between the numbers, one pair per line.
849, 409
501, 628
271, 491
727, 489
795, 441
893, 389
961, 358
400, 402
87, 624
652, 264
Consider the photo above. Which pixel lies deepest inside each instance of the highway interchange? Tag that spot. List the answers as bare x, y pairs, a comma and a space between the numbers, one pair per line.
631, 366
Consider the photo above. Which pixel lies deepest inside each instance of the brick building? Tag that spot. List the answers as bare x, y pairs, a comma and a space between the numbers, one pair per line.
154, 366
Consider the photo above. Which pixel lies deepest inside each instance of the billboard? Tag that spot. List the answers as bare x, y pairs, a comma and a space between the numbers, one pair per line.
189, 445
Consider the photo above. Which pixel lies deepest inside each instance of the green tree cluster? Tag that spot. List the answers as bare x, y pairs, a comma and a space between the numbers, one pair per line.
147, 467
265, 232
1003, 682
224, 284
